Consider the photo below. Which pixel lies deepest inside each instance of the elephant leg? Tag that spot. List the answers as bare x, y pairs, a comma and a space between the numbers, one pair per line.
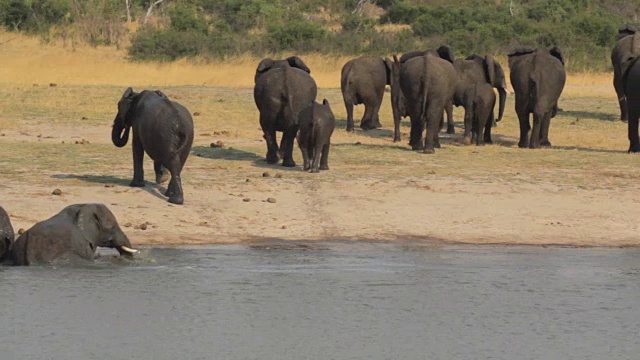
523, 118
162, 175
434, 114
622, 100
272, 145
305, 149
367, 122
174, 191
376, 115
283, 145
487, 129
634, 139
450, 124
417, 128
317, 153
468, 125
483, 121
349, 106
544, 130
396, 129
138, 171
436, 136
534, 140
324, 161
287, 141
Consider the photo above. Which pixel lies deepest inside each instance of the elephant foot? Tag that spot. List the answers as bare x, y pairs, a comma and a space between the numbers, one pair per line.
314, 171
168, 193
272, 158
176, 199
488, 141
533, 146
324, 167
429, 151
437, 145
396, 139
465, 141
306, 167
494, 123
367, 125
162, 177
523, 144
417, 147
350, 129
634, 148
545, 143
288, 163
137, 183
451, 129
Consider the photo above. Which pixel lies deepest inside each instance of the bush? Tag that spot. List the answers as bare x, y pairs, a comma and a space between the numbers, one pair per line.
166, 45
297, 34
183, 18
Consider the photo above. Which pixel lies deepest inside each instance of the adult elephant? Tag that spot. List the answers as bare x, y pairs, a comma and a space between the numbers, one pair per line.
428, 84
472, 71
363, 81
538, 78
6, 233
161, 127
399, 104
631, 91
74, 233
282, 89
627, 47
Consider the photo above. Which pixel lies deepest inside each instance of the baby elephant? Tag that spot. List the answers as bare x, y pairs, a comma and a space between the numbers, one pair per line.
6, 234
73, 233
316, 124
479, 101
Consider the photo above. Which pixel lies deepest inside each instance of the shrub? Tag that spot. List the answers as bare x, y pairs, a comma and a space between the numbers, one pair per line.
297, 34
166, 45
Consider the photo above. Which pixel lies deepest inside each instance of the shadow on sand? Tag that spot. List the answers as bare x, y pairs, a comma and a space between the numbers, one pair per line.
152, 188
590, 115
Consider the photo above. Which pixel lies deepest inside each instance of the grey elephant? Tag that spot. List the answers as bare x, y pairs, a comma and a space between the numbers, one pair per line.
631, 91
479, 101
316, 123
428, 83
72, 234
538, 77
162, 128
282, 89
7, 236
363, 81
627, 47
399, 104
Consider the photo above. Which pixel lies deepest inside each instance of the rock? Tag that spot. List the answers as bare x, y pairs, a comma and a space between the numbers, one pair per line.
21, 231
217, 144
53, 84
63, 141
3, 134
57, 192
143, 226
271, 200
358, 143
109, 185
246, 199
278, 176
283, 227
85, 118
127, 224
196, 114
266, 174
248, 180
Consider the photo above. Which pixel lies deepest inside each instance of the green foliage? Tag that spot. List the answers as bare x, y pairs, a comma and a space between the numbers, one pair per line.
297, 34
184, 18
166, 45
34, 15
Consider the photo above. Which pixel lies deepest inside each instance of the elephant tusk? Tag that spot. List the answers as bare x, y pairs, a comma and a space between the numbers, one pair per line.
129, 250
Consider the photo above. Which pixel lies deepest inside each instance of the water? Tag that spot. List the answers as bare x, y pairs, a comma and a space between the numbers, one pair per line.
329, 301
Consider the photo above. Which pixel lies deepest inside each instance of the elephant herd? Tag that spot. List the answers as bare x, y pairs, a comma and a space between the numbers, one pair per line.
425, 85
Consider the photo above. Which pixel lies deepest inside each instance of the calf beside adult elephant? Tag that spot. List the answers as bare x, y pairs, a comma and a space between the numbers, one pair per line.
627, 47
7, 236
74, 233
282, 89
538, 77
162, 128
362, 81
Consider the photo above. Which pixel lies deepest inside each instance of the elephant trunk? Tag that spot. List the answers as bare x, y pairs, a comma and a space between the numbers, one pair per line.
120, 133
502, 93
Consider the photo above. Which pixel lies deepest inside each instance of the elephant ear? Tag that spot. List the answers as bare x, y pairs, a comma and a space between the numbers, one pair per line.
86, 220
490, 69
388, 65
325, 102
410, 55
296, 62
522, 51
446, 52
128, 93
626, 30
161, 94
557, 53
474, 57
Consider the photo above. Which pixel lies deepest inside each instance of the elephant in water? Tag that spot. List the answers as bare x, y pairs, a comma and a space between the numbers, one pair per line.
282, 89
73, 233
6, 234
362, 82
161, 127
627, 47
538, 78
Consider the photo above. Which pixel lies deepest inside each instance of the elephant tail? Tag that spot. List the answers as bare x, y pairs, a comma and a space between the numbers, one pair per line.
423, 110
287, 96
346, 91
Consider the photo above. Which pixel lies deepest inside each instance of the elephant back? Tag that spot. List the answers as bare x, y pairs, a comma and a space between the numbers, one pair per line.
625, 49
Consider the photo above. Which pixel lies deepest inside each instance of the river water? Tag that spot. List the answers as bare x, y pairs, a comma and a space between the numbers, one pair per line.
328, 301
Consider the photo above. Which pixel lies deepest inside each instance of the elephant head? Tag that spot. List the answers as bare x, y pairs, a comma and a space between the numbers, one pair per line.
557, 53
626, 30
497, 79
99, 227
446, 52
122, 123
268, 64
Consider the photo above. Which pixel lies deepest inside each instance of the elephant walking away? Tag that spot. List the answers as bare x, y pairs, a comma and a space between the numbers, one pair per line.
7, 236
282, 89
479, 102
362, 82
316, 127
538, 77
162, 128
74, 233
428, 84
631, 87
627, 47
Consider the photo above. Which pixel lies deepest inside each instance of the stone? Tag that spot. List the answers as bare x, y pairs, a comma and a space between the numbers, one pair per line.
57, 192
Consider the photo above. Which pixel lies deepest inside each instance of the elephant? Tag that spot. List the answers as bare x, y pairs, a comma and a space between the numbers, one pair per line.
627, 47
72, 234
428, 83
6, 233
631, 87
162, 128
282, 89
477, 70
316, 123
479, 101
538, 77
398, 98
363, 81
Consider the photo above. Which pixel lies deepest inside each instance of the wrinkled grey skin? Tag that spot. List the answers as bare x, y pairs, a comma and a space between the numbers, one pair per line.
398, 99
471, 71
428, 84
479, 101
631, 87
72, 234
538, 78
314, 139
627, 47
362, 82
283, 88
162, 128
6, 234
